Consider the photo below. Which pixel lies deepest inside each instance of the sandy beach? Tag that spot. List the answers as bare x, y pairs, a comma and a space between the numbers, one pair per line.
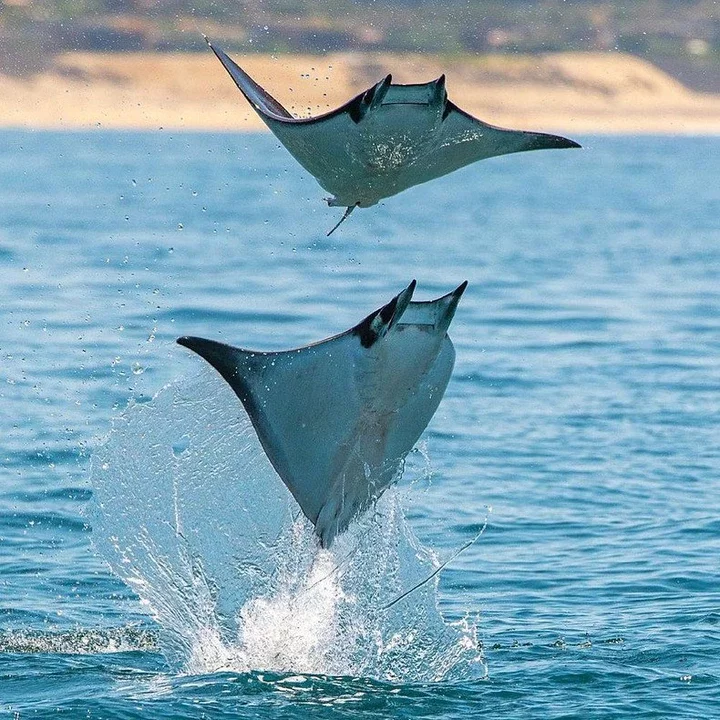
567, 92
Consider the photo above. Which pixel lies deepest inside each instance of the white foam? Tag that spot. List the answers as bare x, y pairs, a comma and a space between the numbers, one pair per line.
212, 543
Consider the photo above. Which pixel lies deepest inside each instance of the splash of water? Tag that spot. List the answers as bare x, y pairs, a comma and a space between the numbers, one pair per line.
188, 511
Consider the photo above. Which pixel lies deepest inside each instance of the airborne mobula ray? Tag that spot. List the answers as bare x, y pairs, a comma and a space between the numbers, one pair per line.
386, 139
336, 418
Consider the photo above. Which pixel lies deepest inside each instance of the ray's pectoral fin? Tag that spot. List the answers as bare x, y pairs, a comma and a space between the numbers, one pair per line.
263, 102
292, 399
232, 363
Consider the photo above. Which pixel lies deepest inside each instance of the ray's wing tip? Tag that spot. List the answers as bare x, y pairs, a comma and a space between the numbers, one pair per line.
194, 344
198, 345
563, 142
548, 141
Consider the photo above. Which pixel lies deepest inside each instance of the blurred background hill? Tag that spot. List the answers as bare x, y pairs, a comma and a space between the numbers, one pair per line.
681, 37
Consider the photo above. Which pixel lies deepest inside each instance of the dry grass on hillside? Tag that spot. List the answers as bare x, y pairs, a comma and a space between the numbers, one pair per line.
568, 92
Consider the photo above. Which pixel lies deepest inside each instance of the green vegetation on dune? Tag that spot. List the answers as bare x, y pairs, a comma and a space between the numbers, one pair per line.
682, 35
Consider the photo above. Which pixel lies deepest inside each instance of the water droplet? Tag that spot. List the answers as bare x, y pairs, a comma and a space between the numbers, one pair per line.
180, 447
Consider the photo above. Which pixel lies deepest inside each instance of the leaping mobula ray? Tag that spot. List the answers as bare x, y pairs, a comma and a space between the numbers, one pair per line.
386, 139
337, 418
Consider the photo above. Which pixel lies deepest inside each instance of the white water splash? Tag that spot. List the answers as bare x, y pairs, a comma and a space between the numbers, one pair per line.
190, 513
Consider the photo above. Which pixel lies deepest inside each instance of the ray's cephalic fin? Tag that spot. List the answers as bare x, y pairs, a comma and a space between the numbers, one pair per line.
336, 418
377, 324
438, 313
439, 96
370, 100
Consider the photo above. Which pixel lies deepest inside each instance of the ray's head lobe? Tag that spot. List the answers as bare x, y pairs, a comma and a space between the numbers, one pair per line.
387, 311
362, 103
439, 94
380, 91
371, 99
377, 324
365, 330
355, 109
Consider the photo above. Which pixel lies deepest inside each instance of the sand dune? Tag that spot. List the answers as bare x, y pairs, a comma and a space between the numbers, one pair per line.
567, 92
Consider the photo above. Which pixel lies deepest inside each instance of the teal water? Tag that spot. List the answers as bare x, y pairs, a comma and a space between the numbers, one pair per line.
582, 419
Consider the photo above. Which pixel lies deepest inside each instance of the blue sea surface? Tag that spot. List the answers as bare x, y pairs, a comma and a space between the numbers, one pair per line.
582, 419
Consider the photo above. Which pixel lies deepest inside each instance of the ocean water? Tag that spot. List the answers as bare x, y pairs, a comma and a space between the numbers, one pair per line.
581, 429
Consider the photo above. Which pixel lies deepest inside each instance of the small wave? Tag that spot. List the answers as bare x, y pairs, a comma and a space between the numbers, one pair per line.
47, 520
79, 642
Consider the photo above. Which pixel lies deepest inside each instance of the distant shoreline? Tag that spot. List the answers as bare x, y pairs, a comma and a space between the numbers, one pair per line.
564, 92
